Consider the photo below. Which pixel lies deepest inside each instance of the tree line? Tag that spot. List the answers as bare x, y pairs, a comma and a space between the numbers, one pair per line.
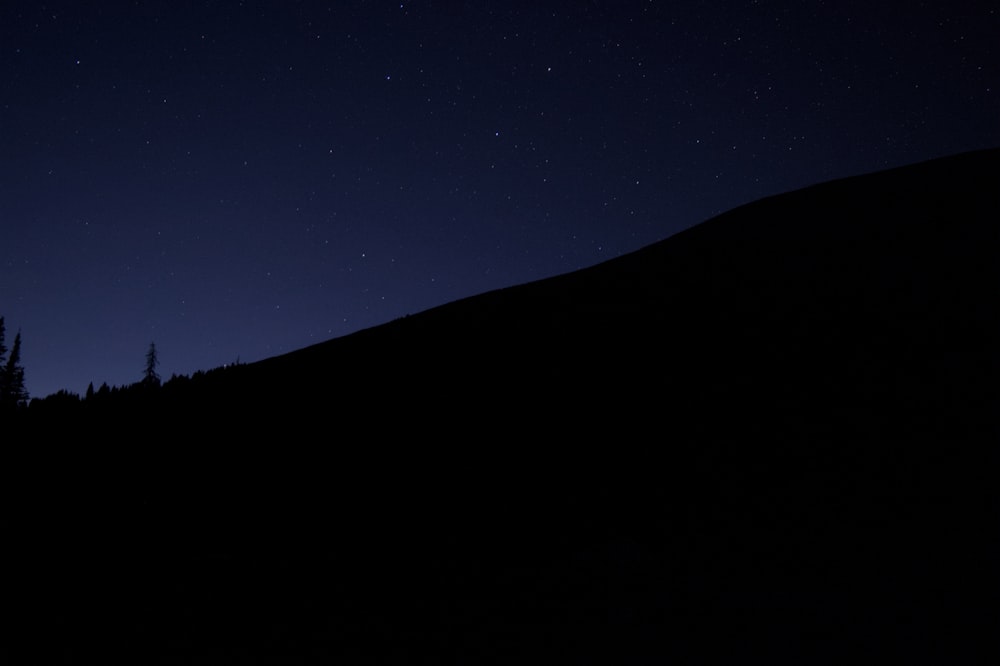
149, 390
14, 396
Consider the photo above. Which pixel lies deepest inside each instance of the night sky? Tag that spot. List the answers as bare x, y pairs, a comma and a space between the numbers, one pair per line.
242, 179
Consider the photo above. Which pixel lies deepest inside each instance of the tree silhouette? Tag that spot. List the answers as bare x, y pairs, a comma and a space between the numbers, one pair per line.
149, 375
12, 392
3, 347
3, 366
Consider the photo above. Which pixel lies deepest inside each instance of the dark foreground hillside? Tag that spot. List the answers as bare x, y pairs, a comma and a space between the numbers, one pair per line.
537, 474
860, 308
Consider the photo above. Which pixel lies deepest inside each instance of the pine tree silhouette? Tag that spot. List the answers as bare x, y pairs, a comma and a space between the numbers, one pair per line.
149, 375
12, 391
3, 366
3, 347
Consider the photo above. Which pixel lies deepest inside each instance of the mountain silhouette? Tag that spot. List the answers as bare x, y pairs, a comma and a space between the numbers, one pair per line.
863, 307
757, 441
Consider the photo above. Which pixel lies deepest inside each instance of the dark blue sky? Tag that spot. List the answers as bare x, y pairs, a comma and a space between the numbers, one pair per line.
242, 179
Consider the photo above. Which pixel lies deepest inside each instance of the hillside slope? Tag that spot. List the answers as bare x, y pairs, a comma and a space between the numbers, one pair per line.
538, 474
864, 307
